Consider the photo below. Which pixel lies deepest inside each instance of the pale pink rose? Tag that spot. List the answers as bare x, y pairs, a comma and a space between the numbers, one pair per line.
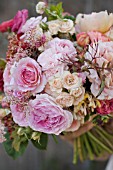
83, 39
19, 114
101, 21
27, 76
19, 20
46, 116
64, 47
74, 127
97, 36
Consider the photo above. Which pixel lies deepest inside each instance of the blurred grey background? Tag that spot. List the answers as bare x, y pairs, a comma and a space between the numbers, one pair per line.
58, 156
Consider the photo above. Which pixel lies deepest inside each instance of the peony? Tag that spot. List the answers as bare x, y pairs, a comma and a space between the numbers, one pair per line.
64, 47
101, 21
19, 114
106, 107
40, 7
25, 75
71, 81
1, 80
19, 20
46, 116
65, 99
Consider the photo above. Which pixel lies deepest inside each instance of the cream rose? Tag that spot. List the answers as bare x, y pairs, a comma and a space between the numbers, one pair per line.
56, 84
40, 7
54, 26
71, 81
78, 94
65, 99
101, 21
66, 26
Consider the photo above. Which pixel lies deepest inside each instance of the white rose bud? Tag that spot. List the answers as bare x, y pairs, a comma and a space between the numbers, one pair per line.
66, 26
40, 7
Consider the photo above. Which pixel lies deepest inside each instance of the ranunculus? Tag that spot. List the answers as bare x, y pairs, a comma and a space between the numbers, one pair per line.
106, 107
5, 25
16, 23
1, 80
101, 21
19, 20
46, 116
65, 99
19, 114
83, 39
25, 75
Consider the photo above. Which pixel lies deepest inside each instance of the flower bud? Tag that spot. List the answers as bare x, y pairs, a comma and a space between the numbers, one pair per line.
40, 7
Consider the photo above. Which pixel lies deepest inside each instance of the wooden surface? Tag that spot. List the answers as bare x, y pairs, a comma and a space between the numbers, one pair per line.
58, 156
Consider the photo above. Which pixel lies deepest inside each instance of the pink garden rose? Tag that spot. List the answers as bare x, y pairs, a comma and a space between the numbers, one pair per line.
106, 107
16, 23
19, 114
46, 116
25, 75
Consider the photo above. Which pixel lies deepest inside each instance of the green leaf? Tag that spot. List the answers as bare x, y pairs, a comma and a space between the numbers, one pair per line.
42, 144
2, 63
10, 150
101, 87
71, 17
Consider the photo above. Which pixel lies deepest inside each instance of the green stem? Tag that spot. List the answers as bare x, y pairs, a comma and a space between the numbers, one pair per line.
105, 139
79, 148
91, 156
99, 142
75, 154
104, 132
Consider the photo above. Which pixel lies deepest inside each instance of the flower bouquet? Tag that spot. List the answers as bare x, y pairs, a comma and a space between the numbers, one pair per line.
57, 80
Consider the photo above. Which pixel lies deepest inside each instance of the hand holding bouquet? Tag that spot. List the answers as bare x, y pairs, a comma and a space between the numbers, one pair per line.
57, 79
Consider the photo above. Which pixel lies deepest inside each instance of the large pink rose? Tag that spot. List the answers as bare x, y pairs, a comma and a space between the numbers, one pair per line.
25, 75
19, 20
106, 107
46, 116
19, 114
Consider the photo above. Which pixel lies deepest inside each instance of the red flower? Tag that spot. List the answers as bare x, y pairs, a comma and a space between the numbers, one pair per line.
5, 25
106, 107
16, 23
1, 80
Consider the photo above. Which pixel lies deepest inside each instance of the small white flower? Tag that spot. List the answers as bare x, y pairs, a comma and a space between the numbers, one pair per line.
40, 7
